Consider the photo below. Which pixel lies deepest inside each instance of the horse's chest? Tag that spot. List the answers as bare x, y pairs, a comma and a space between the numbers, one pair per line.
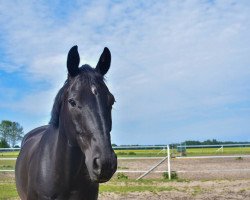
79, 191
73, 195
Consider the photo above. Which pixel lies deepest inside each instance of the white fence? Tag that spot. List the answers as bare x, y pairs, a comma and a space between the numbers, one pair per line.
154, 164
145, 172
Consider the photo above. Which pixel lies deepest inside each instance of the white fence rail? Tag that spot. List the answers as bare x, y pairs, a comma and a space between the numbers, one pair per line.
162, 159
9, 149
120, 171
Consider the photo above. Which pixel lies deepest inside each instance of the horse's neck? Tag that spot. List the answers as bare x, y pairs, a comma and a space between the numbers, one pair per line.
62, 167
66, 159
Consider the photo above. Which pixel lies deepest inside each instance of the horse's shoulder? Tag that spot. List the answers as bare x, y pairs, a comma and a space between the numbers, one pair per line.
34, 133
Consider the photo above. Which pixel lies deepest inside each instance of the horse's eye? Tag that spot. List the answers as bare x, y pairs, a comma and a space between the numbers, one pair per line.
72, 102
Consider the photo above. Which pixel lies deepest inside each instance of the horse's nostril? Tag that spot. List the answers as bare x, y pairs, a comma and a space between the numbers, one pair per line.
97, 165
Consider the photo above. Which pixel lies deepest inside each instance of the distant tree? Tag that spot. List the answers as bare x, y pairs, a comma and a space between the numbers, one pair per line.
5, 128
4, 144
11, 132
16, 133
192, 142
210, 142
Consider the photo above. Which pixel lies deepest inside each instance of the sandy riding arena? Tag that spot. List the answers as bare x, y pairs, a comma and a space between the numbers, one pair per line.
216, 189
209, 178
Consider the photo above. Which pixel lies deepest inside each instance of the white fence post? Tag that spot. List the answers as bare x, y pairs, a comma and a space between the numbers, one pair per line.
151, 169
169, 168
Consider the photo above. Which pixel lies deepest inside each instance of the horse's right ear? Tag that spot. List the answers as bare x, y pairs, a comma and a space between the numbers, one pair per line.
73, 61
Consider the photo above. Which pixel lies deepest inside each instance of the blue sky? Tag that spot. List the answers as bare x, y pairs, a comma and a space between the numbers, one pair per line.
180, 69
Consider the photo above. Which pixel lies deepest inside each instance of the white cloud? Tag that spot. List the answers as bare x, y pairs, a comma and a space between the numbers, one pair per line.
175, 59
7, 67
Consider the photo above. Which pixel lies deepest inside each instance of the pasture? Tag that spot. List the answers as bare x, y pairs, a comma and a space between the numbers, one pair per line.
189, 152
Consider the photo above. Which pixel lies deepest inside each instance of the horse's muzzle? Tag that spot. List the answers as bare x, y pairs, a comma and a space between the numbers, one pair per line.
103, 168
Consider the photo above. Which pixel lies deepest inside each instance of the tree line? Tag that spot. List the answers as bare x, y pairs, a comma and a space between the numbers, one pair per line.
10, 133
211, 142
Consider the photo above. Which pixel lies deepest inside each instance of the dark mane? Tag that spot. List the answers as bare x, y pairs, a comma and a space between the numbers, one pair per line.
55, 113
88, 75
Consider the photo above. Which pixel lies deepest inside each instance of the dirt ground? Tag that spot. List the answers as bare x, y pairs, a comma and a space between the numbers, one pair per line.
207, 190
210, 179
192, 169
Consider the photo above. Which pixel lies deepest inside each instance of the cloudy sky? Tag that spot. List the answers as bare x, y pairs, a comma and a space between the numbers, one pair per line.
180, 69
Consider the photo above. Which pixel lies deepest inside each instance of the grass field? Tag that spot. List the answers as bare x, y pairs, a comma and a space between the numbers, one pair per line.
141, 153
7, 186
7, 164
116, 185
217, 151
153, 189
189, 152
11, 154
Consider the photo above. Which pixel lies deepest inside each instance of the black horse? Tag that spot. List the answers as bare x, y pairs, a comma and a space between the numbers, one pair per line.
68, 158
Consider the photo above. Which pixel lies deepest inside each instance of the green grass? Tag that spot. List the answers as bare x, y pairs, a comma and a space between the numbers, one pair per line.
213, 151
144, 185
196, 190
140, 153
134, 188
131, 185
7, 186
7, 164
8, 190
189, 152
12, 154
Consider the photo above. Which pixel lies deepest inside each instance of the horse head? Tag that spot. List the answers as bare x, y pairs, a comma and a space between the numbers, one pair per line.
86, 114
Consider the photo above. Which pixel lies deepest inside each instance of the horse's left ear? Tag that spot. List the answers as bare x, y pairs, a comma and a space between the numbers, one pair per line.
104, 62
73, 61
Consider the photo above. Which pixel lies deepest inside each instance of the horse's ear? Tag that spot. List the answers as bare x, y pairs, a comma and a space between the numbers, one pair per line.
104, 62
73, 61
